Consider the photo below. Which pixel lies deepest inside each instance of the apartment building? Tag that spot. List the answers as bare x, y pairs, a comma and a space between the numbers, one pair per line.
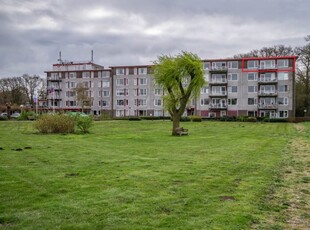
245, 86
65, 76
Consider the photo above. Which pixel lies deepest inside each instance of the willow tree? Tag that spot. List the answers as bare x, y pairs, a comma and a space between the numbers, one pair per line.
181, 77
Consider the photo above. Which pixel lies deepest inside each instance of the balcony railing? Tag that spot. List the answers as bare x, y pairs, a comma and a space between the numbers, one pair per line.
267, 67
267, 106
54, 78
263, 80
218, 93
217, 106
268, 93
217, 81
219, 68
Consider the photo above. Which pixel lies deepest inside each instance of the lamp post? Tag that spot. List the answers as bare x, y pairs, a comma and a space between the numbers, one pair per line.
305, 111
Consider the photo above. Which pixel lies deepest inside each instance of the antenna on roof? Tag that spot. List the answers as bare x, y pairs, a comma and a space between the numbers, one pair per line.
92, 56
60, 61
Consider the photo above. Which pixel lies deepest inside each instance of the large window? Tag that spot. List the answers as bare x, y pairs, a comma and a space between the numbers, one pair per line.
233, 77
142, 71
121, 81
267, 64
283, 88
252, 101
104, 103
204, 101
282, 101
218, 65
121, 102
283, 114
141, 92
86, 74
282, 76
233, 89
204, 90
120, 71
252, 64
121, 92
157, 102
232, 101
282, 63
252, 89
233, 65
140, 102
252, 76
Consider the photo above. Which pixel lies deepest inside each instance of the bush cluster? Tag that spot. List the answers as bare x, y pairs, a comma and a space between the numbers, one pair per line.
62, 123
196, 118
55, 123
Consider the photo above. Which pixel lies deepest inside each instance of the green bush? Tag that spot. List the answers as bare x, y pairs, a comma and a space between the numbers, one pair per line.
275, 120
196, 118
185, 119
242, 118
55, 123
84, 124
3, 118
228, 118
251, 119
25, 114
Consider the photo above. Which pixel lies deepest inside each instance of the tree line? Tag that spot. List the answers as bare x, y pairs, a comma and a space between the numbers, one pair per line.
21, 90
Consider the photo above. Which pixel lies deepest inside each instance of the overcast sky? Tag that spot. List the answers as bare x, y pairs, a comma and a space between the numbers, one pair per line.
133, 32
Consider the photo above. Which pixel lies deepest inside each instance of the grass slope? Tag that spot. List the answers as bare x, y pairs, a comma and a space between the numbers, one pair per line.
134, 175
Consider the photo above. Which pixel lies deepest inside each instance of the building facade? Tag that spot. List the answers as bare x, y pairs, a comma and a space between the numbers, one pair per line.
262, 87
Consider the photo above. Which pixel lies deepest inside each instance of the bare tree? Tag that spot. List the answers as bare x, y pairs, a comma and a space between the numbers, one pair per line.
30, 85
277, 50
82, 97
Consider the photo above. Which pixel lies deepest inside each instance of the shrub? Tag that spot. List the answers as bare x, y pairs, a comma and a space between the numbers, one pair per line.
185, 119
134, 119
228, 118
196, 118
242, 118
55, 123
251, 119
25, 114
3, 118
84, 124
275, 120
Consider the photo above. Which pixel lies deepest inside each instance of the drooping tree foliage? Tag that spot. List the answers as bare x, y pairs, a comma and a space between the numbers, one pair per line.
181, 77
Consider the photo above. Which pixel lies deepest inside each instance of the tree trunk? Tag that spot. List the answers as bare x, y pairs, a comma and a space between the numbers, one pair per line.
176, 122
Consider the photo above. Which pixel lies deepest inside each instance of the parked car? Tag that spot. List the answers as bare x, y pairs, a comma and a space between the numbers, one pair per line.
15, 115
5, 115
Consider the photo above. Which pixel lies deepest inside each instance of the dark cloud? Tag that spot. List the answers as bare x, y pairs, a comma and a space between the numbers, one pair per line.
125, 32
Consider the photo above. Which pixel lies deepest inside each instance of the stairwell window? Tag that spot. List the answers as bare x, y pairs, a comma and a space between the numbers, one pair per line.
233, 65
283, 88
252, 76
252, 89
233, 89
232, 101
157, 102
233, 77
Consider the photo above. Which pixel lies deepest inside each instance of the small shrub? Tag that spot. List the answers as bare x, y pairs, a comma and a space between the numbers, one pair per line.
242, 118
251, 119
228, 118
3, 118
84, 124
134, 119
196, 119
275, 120
104, 116
25, 114
185, 119
55, 123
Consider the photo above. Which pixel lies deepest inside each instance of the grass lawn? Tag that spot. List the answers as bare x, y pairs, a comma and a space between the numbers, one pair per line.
134, 175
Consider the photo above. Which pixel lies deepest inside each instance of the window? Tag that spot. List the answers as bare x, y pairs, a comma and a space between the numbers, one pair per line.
121, 92
104, 103
121, 102
283, 88
119, 71
252, 64
282, 76
267, 77
142, 81
104, 93
204, 101
232, 101
282, 63
122, 81
85, 84
282, 101
157, 102
218, 65
141, 92
233, 65
218, 77
106, 74
267, 64
233, 89
233, 77
72, 75
204, 90
268, 89
72, 84
252, 101
140, 102
207, 65
158, 92
252, 89
86, 74
142, 71
105, 82
283, 114
252, 76
120, 113
158, 113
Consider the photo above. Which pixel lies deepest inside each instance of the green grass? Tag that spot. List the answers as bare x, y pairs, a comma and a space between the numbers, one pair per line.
135, 175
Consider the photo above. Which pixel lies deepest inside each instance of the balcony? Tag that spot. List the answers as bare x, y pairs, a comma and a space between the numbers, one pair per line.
218, 81
267, 93
267, 81
218, 94
217, 106
267, 106
219, 69
54, 78
267, 67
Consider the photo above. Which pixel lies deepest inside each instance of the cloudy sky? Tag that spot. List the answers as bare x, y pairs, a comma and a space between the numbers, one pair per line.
130, 32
